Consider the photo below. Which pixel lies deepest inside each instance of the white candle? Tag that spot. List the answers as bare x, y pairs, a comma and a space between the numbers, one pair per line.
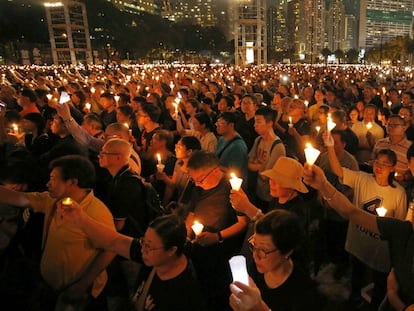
295, 96
15, 128
389, 104
117, 97
239, 269
381, 211
49, 96
311, 154
64, 98
197, 227
92, 90
235, 182
290, 121
306, 103
331, 125
318, 128
159, 158
88, 106
369, 125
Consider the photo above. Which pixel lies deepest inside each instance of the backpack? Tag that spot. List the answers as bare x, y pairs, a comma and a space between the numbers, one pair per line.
152, 199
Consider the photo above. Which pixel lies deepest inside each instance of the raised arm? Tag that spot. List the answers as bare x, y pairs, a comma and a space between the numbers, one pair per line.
333, 159
14, 198
100, 235
315, 177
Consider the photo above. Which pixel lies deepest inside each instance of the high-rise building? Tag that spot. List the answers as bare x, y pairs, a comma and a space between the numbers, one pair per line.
69, 32
335, 25
381, 21
138, 6
314, 28
200, 12
351, 32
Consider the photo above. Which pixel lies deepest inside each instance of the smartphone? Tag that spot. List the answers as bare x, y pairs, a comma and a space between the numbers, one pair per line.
2, 105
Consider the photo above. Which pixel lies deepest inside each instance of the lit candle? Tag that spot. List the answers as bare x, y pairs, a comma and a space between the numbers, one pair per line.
330, 124
311, 154
117, 97
381, 211
197, 227
235, 182
318, 128
67, 202
369, 126
383, 90
93, 90
239, 269
172, 85
49, 96
295, 96
306, 103
15, 128
290, 121
175, 108
389, 104
159, 158
88, 106
64, 98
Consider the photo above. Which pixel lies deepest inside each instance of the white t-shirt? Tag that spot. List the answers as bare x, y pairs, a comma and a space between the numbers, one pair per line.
368, 195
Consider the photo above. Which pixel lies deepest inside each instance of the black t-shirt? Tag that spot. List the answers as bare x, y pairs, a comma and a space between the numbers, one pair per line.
180, 293
400, 237
297, 293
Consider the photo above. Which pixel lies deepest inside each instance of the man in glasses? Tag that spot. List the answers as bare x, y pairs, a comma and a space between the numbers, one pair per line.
223, 228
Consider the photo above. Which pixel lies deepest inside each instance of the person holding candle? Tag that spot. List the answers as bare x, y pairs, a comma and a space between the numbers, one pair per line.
108, 114
276, 282
70, 266
27, 100
370, 192
398, 233
171, 284
367, 137
223, 227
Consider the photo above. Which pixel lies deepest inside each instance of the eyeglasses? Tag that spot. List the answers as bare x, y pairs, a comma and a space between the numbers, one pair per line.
103, 153
201, 180
260, 253
146, 248
382, 165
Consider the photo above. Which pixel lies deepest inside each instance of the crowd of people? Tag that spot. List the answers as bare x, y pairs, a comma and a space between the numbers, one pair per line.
80, 145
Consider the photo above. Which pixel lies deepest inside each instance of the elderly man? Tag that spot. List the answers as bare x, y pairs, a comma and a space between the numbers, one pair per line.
70, 266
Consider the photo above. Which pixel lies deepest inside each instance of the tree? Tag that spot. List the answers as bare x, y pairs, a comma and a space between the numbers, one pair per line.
325, 53
339, 54
352, 56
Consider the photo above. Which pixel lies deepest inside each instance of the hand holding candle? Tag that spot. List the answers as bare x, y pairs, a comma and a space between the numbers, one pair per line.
330, 125
160, 166
235, 182
311, 154
290, 121
197, 227
66, 202
239, 269
369, 126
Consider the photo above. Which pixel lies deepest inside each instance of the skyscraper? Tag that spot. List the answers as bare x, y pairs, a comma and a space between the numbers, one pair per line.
381, 21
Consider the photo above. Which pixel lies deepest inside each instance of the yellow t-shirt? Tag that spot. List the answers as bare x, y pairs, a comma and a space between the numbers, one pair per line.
67, 250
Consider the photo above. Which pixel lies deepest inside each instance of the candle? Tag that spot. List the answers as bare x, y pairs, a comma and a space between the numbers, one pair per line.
15, 128
92, 90
64, 98
49, 96
197, 227
369, 126
389, 103
175, 108
306, 103
290, 121
117, 97
159, 158
235, 182
295, 96
383, 90
330, 124
318, 128
239, 269
67, 202
311, 154
88, 106
381, 211
172, 85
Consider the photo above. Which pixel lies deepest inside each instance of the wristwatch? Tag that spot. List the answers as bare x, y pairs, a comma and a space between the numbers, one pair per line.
220, 237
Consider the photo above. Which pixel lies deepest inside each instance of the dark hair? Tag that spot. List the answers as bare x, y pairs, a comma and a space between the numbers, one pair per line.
283, 227
26, 92
191, 143
410, 152
127, 111
253, 98
339, 115
76, 167
166, 136
229, 101
194, 102
268, 113
392, 156
107, 95
207, 101
95, 119
204, 118
171, 231
153, 111
229, 117
81, 96
202, 159
37, 119
340, 133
